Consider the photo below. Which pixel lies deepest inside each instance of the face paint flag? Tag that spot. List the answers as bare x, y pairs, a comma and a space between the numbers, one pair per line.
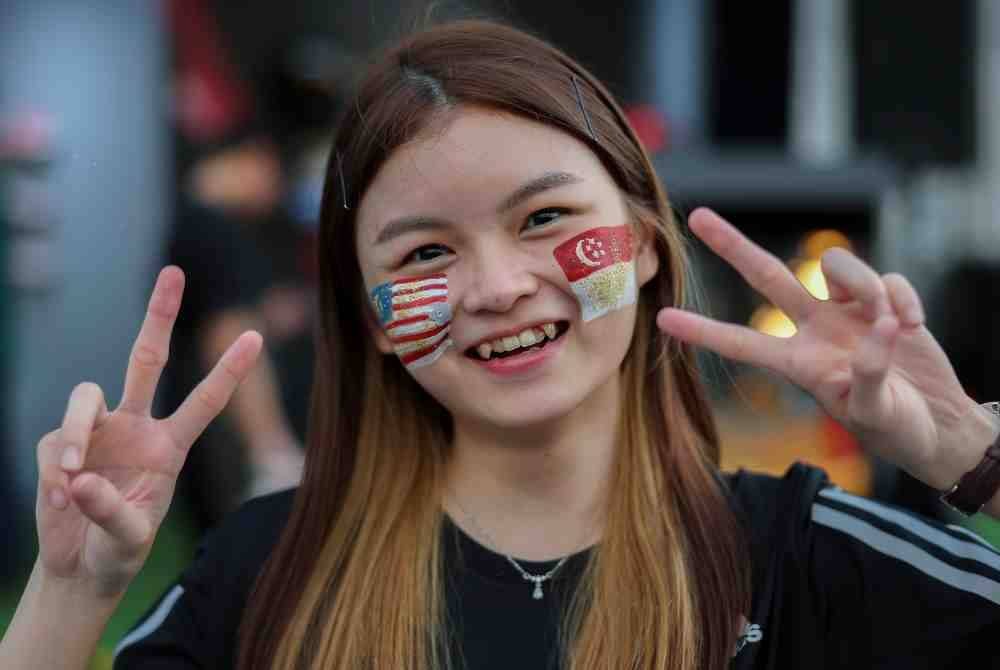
415, 314
598, 264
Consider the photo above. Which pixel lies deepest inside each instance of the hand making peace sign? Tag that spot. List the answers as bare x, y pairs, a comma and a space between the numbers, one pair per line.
864, 354
107, 478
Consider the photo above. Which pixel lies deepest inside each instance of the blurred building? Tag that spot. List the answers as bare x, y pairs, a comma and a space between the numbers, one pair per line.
877, 120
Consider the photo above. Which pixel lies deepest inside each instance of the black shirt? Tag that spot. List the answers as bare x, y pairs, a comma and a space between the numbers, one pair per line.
839, 581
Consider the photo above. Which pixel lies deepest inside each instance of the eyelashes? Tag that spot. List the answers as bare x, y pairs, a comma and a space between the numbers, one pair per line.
548, 215
542, 218
415, 255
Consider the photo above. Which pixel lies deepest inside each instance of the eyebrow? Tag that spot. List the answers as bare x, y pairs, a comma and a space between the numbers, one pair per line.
410, 224
547, 181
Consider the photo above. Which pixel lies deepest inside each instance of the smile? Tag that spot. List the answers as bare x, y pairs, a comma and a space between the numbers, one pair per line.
529, 339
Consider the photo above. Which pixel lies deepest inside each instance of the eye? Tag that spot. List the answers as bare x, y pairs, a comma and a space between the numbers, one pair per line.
425, 254
543, 217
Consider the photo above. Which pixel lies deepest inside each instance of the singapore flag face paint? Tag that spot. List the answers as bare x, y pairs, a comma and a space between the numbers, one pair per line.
600, 268
415, 314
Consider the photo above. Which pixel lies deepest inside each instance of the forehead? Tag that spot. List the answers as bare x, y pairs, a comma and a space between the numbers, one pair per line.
464, 167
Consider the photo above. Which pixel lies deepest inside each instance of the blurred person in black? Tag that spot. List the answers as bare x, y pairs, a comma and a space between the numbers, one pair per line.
229, 186
228, 276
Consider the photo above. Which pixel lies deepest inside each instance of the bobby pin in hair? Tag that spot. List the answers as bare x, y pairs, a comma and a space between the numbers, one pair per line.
583, 109
343, 184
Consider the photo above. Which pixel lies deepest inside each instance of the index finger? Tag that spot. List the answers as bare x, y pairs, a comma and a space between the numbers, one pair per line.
762, 270
152, 346
738, 343
211, 396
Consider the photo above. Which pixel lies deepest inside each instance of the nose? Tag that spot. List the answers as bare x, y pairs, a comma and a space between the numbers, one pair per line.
498, 281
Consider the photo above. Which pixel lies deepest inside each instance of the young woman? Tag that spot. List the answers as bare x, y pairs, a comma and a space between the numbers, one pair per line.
512, 463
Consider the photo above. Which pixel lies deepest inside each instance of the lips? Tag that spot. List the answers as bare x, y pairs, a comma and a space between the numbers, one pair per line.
527, 338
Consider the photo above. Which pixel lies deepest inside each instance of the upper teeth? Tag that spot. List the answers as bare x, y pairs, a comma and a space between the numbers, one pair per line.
526, 338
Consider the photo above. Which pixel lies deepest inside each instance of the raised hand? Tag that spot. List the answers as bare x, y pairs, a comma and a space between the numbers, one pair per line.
864, 354
107, 478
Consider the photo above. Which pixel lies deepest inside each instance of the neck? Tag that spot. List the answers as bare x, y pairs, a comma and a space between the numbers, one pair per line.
536, 492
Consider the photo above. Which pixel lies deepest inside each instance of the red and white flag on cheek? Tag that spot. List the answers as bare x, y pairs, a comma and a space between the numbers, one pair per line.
599, 266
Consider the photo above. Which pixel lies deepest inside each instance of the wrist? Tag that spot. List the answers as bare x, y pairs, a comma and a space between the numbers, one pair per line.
94, 596
969, 471
58, 623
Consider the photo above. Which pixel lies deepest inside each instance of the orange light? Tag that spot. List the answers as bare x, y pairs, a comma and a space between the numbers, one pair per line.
811, 275
770, 320
816, 242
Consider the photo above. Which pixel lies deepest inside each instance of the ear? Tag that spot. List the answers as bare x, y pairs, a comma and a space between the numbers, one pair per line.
647, 261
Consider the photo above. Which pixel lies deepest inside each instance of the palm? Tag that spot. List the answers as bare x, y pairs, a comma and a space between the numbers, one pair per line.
121, 493
864, 354
919, 390
134, 455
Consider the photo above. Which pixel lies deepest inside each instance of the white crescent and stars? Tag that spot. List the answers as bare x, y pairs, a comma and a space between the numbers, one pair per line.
589, 251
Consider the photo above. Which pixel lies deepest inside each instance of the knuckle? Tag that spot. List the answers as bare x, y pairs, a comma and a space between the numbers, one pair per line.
898, 284
210, 399
147, 356
740, 345
48, 480
230, 371
46, 449
771, 275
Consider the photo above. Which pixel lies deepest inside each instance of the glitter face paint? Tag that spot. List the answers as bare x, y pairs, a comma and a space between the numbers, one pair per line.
600, 268
415, 314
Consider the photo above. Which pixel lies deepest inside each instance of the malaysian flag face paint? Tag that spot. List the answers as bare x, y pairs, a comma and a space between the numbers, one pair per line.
415, 314
600, 268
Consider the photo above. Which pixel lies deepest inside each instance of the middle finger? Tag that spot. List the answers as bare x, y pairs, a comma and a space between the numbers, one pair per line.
149, 353
854, 279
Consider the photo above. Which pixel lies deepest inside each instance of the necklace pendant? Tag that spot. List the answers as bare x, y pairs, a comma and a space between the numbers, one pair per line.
537, 595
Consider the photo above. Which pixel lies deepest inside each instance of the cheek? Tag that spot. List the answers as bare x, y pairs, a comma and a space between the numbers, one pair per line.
600, 267
415, 315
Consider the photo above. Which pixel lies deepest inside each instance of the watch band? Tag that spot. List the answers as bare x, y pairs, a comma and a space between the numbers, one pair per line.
980, 484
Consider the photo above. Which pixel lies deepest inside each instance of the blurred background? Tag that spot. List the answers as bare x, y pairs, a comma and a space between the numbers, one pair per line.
195, 132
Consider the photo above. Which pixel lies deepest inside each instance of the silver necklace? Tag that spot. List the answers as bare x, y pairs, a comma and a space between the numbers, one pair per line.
537, 594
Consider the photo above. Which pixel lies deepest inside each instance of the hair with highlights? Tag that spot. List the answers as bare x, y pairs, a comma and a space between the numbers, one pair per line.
357, 578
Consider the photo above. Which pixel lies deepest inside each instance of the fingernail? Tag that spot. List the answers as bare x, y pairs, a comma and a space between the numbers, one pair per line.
71, 458
58, 498
915, 315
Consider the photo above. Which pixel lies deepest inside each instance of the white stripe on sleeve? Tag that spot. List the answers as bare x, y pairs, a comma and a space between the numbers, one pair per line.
157, 617
907, 552
960, 547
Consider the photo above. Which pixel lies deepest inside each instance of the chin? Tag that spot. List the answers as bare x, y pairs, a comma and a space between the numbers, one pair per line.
527, 410
515, 418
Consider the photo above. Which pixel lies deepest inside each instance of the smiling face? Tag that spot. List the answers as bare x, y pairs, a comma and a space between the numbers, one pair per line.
475, 211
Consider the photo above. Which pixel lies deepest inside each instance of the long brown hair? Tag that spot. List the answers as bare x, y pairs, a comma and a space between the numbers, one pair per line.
356, 580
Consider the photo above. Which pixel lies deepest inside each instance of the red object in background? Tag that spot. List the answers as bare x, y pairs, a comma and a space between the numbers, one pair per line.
26, 136
650, 125
210, 99
838, 441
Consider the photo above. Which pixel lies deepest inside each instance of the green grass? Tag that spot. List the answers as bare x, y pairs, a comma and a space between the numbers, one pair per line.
173, 550
986, 526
